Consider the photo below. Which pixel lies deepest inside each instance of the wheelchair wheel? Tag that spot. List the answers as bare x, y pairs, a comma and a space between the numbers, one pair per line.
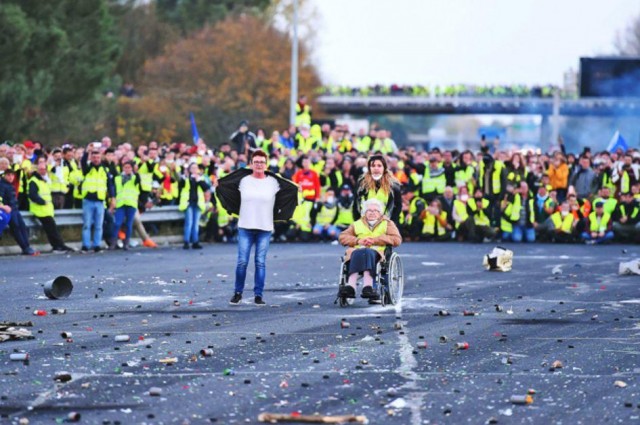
342, 279
383, 295
395, 279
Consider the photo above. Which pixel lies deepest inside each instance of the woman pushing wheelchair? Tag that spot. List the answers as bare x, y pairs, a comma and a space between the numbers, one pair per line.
367, 240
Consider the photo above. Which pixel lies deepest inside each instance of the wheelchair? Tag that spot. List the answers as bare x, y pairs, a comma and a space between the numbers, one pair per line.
389, 280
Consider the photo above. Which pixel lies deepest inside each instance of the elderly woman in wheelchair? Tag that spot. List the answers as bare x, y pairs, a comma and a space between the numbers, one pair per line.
368, 241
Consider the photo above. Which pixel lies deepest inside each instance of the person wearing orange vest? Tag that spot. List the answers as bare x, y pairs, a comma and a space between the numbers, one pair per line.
308, 181
366, 240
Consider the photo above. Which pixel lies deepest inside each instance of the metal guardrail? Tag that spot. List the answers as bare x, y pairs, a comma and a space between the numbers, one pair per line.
74, 217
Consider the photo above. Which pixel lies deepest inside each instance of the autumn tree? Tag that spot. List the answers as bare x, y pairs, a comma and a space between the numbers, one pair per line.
239, 69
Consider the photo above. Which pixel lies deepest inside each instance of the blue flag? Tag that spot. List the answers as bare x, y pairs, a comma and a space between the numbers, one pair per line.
617, 142
194, 129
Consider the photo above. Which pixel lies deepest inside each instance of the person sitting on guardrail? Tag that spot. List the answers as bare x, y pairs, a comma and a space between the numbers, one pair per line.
5, 215
366, 240
16, 225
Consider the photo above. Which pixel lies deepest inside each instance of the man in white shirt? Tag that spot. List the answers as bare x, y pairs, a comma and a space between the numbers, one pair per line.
255, 225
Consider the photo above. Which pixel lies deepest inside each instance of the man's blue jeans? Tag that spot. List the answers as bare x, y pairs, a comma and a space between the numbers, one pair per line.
246, 239
92, 215
191, 224
519, 234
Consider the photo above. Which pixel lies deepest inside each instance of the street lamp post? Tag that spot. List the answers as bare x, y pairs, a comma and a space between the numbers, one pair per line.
294, 65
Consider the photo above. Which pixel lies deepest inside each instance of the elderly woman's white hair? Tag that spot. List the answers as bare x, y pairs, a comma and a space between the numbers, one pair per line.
370, 203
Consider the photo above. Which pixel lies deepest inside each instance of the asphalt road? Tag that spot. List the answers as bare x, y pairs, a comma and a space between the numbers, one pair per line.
294, 356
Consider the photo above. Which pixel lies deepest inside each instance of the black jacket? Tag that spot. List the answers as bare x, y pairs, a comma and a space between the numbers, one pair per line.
8, 194
228, 192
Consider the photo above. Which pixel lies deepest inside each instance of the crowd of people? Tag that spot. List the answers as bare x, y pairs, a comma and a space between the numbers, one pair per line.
453, 90
487, 195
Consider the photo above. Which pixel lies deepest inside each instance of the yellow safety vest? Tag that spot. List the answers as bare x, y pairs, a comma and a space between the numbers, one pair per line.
495, 177
625, 183
362, 230
223, 215
379, 194
601, 225
303, 115
57, 184
95, 182
385, 146
413, 208
563, 224
513, 212
345, 216
461, 210
609, 204
146, 175
433, 184
430, 222
302, 215
633, 214
464, 176
44, 191
480, 219
345, 146
184, 197
326, 145
127, 194
326, 215
364, 144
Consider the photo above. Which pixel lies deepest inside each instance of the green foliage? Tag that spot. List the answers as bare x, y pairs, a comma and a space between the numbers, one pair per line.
142, 36
189, 15
223, 60
56, 55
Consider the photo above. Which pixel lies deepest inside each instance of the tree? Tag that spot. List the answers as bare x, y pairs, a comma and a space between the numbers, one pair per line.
239, 69
190, 15
142, 36
628, 44
56, 55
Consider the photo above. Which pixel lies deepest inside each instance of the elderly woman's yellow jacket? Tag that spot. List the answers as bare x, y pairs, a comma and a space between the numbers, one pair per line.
350, 237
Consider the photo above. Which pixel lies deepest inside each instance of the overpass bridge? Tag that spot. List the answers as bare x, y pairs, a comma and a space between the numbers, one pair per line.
546, 107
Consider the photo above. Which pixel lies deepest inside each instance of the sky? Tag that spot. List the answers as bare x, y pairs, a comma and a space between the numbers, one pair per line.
429, 42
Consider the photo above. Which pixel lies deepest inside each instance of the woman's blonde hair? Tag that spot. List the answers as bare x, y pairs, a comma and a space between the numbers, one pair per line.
387, 179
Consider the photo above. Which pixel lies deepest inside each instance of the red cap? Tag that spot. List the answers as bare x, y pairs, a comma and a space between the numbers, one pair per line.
29, 144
